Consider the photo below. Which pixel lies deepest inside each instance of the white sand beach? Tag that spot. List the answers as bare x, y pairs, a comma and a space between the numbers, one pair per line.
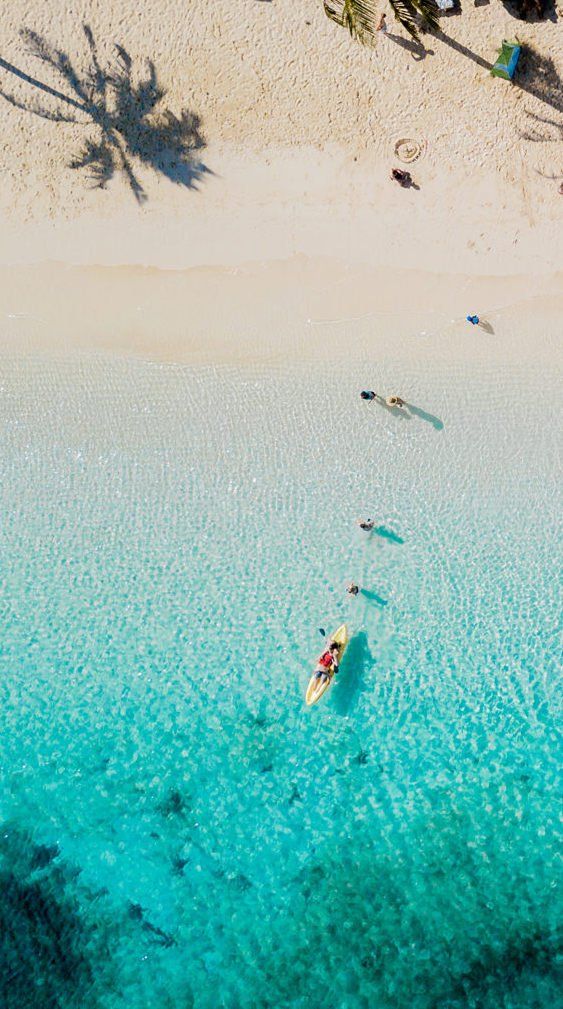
300, 124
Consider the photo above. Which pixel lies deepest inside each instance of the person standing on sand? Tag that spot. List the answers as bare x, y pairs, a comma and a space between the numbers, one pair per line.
382, 24
473, 319
395, 401
403, 178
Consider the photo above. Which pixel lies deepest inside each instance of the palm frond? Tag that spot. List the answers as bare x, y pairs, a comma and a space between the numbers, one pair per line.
37, 109
358, 16
135, 185
428, 10
406, 12
38, 46
98, 157
94, 75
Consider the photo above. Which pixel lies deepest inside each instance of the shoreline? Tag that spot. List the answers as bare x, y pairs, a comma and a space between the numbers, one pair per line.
276, 259
296, 310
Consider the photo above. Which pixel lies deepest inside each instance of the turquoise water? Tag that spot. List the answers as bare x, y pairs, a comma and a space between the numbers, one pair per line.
179, 829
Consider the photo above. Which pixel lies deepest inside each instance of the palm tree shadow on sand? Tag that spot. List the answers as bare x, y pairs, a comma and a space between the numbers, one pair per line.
128, 123
350, 683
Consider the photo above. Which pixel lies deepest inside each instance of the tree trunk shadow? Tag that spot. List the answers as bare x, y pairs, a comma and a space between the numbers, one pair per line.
537, 74
463, 50
42, 87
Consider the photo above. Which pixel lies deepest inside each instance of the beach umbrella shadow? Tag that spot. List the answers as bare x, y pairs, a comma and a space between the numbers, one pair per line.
356, 664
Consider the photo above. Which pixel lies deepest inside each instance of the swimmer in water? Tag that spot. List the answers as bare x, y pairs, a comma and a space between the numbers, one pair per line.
366, 524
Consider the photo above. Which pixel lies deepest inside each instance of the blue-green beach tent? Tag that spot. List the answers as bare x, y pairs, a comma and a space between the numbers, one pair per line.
507, 60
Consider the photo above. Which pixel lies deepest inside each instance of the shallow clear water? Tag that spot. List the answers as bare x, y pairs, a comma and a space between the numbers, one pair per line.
179, 830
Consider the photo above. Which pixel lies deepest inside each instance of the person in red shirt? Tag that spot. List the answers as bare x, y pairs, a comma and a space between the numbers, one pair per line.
327, 663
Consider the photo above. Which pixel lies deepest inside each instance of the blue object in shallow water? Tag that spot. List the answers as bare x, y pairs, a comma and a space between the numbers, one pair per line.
507, 61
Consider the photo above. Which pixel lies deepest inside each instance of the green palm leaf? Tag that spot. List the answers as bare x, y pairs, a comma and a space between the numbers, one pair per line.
406, 10
360, 16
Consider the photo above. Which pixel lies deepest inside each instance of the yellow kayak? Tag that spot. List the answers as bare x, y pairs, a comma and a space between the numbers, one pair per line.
317, 687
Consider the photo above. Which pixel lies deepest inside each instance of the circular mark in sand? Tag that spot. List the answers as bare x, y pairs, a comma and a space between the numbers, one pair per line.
408, 150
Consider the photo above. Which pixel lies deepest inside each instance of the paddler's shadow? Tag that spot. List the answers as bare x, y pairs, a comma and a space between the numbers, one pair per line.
350, 681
